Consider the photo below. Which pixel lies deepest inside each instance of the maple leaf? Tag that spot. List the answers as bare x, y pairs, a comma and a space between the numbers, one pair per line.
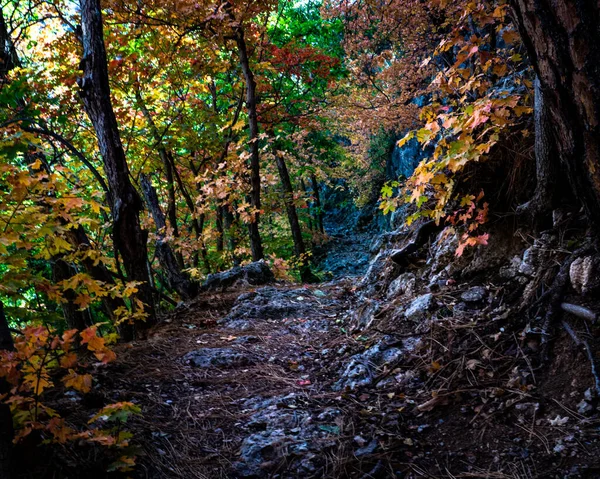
79, 382
90, 338
83, 301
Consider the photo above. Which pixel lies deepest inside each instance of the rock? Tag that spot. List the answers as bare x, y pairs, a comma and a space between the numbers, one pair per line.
329, 414
217, 358
511, 270
362, 368
368, 449
584, 407
273, 303
535, 256
256, 273
360, 441
403, 284
474, 295
363, 316
419, 307
443, 250
258, 451
382, 271
529, 262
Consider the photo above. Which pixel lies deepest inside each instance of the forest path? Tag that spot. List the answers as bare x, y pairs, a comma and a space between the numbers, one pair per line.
240, 388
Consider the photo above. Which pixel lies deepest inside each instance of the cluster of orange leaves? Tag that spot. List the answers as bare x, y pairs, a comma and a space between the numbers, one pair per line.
42, 361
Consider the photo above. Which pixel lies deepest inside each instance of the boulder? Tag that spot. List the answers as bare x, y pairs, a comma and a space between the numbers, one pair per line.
217, 358
273, 303
255, 274
363, 368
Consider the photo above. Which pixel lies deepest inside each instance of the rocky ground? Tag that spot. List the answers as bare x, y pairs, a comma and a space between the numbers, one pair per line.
431, 367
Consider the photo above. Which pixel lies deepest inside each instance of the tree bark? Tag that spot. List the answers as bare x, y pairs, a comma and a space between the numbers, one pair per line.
562, 39
547, 161
219, 225
251, 103
129, 237
74, 317
176, 279
288, 198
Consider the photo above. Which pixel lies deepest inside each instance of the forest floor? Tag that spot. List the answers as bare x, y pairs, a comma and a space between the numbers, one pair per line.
277, 381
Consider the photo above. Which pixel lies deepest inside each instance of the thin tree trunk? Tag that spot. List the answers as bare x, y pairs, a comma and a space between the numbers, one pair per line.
562, 39
129, 237
292, 214
253, 227
547, 161
220, 231
197, 223
162, 152
74, 316
99, 272
228, 222
176, 279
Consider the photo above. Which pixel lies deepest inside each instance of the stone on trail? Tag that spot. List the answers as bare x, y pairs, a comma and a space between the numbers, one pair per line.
419, 307
474, 294
255, 274
217, 358
270, 303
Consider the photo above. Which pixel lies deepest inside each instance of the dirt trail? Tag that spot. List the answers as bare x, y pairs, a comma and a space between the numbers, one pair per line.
256, 383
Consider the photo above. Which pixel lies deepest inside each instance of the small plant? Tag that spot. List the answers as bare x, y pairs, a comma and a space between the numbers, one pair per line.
44, 360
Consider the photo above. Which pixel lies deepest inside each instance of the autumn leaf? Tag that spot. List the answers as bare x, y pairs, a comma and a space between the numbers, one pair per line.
79, 382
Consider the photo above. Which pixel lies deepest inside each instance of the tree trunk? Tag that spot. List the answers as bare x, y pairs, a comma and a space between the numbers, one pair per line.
176, 279
6, 422
228, 225
219, 225
197, 226
99, 272
75, 318
292, 214
130, 239
255, 240
164, 157
547, 162
562, 39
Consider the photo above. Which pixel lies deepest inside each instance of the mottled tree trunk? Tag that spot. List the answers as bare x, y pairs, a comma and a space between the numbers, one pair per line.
176, 279
547, 162
562, 38
251, 103
129, 237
